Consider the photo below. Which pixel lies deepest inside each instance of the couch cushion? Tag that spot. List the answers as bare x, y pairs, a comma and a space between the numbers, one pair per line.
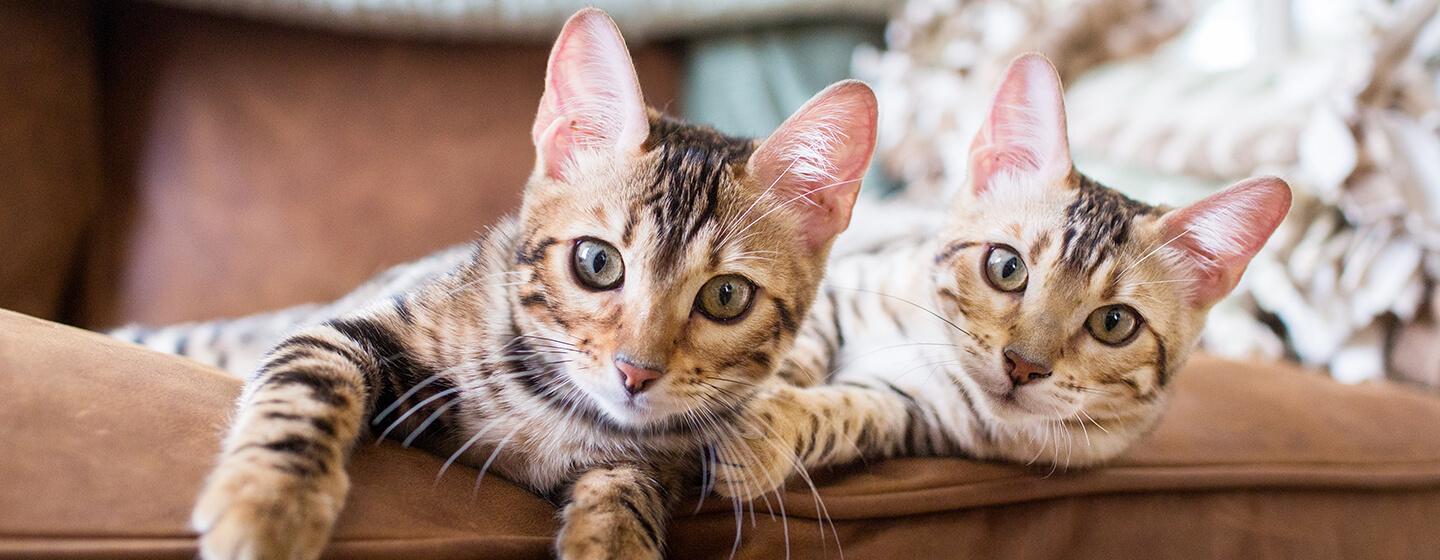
103, 445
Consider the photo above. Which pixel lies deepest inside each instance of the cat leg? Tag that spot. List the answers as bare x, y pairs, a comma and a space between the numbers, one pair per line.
281, 482
616, 512
787, 428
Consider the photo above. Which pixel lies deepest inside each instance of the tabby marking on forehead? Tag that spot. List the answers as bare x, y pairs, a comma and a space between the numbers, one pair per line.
1038, 247
692, 163
1099, 223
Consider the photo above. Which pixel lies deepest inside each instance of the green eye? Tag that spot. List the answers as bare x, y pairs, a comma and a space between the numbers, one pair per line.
725, 297
1113, 324
597, 264
1005, 270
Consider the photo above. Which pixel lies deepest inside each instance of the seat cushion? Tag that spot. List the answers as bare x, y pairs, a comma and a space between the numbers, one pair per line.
104, 445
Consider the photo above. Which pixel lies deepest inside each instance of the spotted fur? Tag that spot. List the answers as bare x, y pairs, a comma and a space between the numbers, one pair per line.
908, 350
497, 355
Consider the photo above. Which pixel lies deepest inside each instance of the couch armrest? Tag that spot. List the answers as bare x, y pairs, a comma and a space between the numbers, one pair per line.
104, 445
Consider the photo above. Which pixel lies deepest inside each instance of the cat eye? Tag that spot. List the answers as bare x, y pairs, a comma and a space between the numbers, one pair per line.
725, 297
1113, 324
598, 265
1005, 270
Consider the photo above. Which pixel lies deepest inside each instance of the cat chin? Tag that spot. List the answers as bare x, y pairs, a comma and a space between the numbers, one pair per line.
1027, 404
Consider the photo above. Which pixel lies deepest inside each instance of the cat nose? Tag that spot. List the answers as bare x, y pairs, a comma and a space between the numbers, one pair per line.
1023, 371
636, 378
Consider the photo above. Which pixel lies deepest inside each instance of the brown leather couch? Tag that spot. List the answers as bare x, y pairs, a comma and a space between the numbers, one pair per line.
159, 165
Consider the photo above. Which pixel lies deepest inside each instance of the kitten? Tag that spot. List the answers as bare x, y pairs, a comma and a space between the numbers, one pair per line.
1044, 323
590, 349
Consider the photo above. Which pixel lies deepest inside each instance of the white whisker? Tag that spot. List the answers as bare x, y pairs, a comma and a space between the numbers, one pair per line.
413, 409
1153, 251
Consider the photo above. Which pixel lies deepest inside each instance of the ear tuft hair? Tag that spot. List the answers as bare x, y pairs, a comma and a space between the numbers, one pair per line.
816, 159
592, 96
1024, 134
1218, 235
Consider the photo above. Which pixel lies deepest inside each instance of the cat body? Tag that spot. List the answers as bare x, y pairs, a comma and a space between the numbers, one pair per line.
239, 345
595, 348
1043, 323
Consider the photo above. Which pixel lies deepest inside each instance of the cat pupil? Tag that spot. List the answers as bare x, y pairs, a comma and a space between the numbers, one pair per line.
726, 290
598, 263
1008, 269
1112, 319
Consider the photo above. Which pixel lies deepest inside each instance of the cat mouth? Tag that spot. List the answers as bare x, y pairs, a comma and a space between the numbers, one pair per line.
636, 409
1016, 400
1008, 400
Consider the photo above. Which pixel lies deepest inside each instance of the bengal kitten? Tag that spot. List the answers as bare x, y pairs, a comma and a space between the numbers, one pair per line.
1044, 323
592, 348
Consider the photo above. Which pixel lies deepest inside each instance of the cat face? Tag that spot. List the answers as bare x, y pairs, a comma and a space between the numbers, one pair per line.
665, 267
1069, 315
1081, 303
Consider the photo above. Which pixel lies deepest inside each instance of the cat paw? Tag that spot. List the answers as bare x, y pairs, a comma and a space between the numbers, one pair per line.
583, 545
261, 513
755, 463
591, 534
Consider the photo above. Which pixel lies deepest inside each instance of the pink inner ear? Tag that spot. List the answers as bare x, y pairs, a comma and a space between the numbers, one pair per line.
1221, 233
814, 162
592, 96
1024, 134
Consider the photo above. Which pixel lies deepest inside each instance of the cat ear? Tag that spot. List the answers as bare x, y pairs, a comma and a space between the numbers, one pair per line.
592, 97
1221, 233
814, 162
1024, 134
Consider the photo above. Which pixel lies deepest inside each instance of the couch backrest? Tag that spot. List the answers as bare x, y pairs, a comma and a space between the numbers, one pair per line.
251, 166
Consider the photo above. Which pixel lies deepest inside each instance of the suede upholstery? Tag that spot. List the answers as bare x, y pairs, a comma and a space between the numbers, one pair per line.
107, 444
253, 166
49, 150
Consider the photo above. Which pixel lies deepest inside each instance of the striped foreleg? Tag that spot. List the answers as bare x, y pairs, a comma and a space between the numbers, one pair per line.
617, 512
281, 482
788, 428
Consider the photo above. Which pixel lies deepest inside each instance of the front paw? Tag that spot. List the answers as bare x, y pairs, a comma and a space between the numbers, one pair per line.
252, 511
600, 533
755, 463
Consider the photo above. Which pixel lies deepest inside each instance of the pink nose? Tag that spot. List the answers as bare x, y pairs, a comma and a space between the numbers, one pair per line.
637, 379
1023, 371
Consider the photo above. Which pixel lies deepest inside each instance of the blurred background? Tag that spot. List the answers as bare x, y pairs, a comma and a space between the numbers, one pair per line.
177, 160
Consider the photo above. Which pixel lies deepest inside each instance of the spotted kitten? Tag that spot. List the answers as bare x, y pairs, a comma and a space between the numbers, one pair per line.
1044, 323
592, 348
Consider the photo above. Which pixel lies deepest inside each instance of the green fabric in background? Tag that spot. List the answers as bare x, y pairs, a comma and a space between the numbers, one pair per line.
747, 83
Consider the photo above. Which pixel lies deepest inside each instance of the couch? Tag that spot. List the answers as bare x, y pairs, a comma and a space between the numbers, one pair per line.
163, 165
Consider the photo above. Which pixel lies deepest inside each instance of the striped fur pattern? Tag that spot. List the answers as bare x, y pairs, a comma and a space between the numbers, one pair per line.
238, 345
913, 364
913, 348
508, 355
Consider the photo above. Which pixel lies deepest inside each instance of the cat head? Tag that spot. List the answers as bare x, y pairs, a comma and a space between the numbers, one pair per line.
668, 264
1081, 303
